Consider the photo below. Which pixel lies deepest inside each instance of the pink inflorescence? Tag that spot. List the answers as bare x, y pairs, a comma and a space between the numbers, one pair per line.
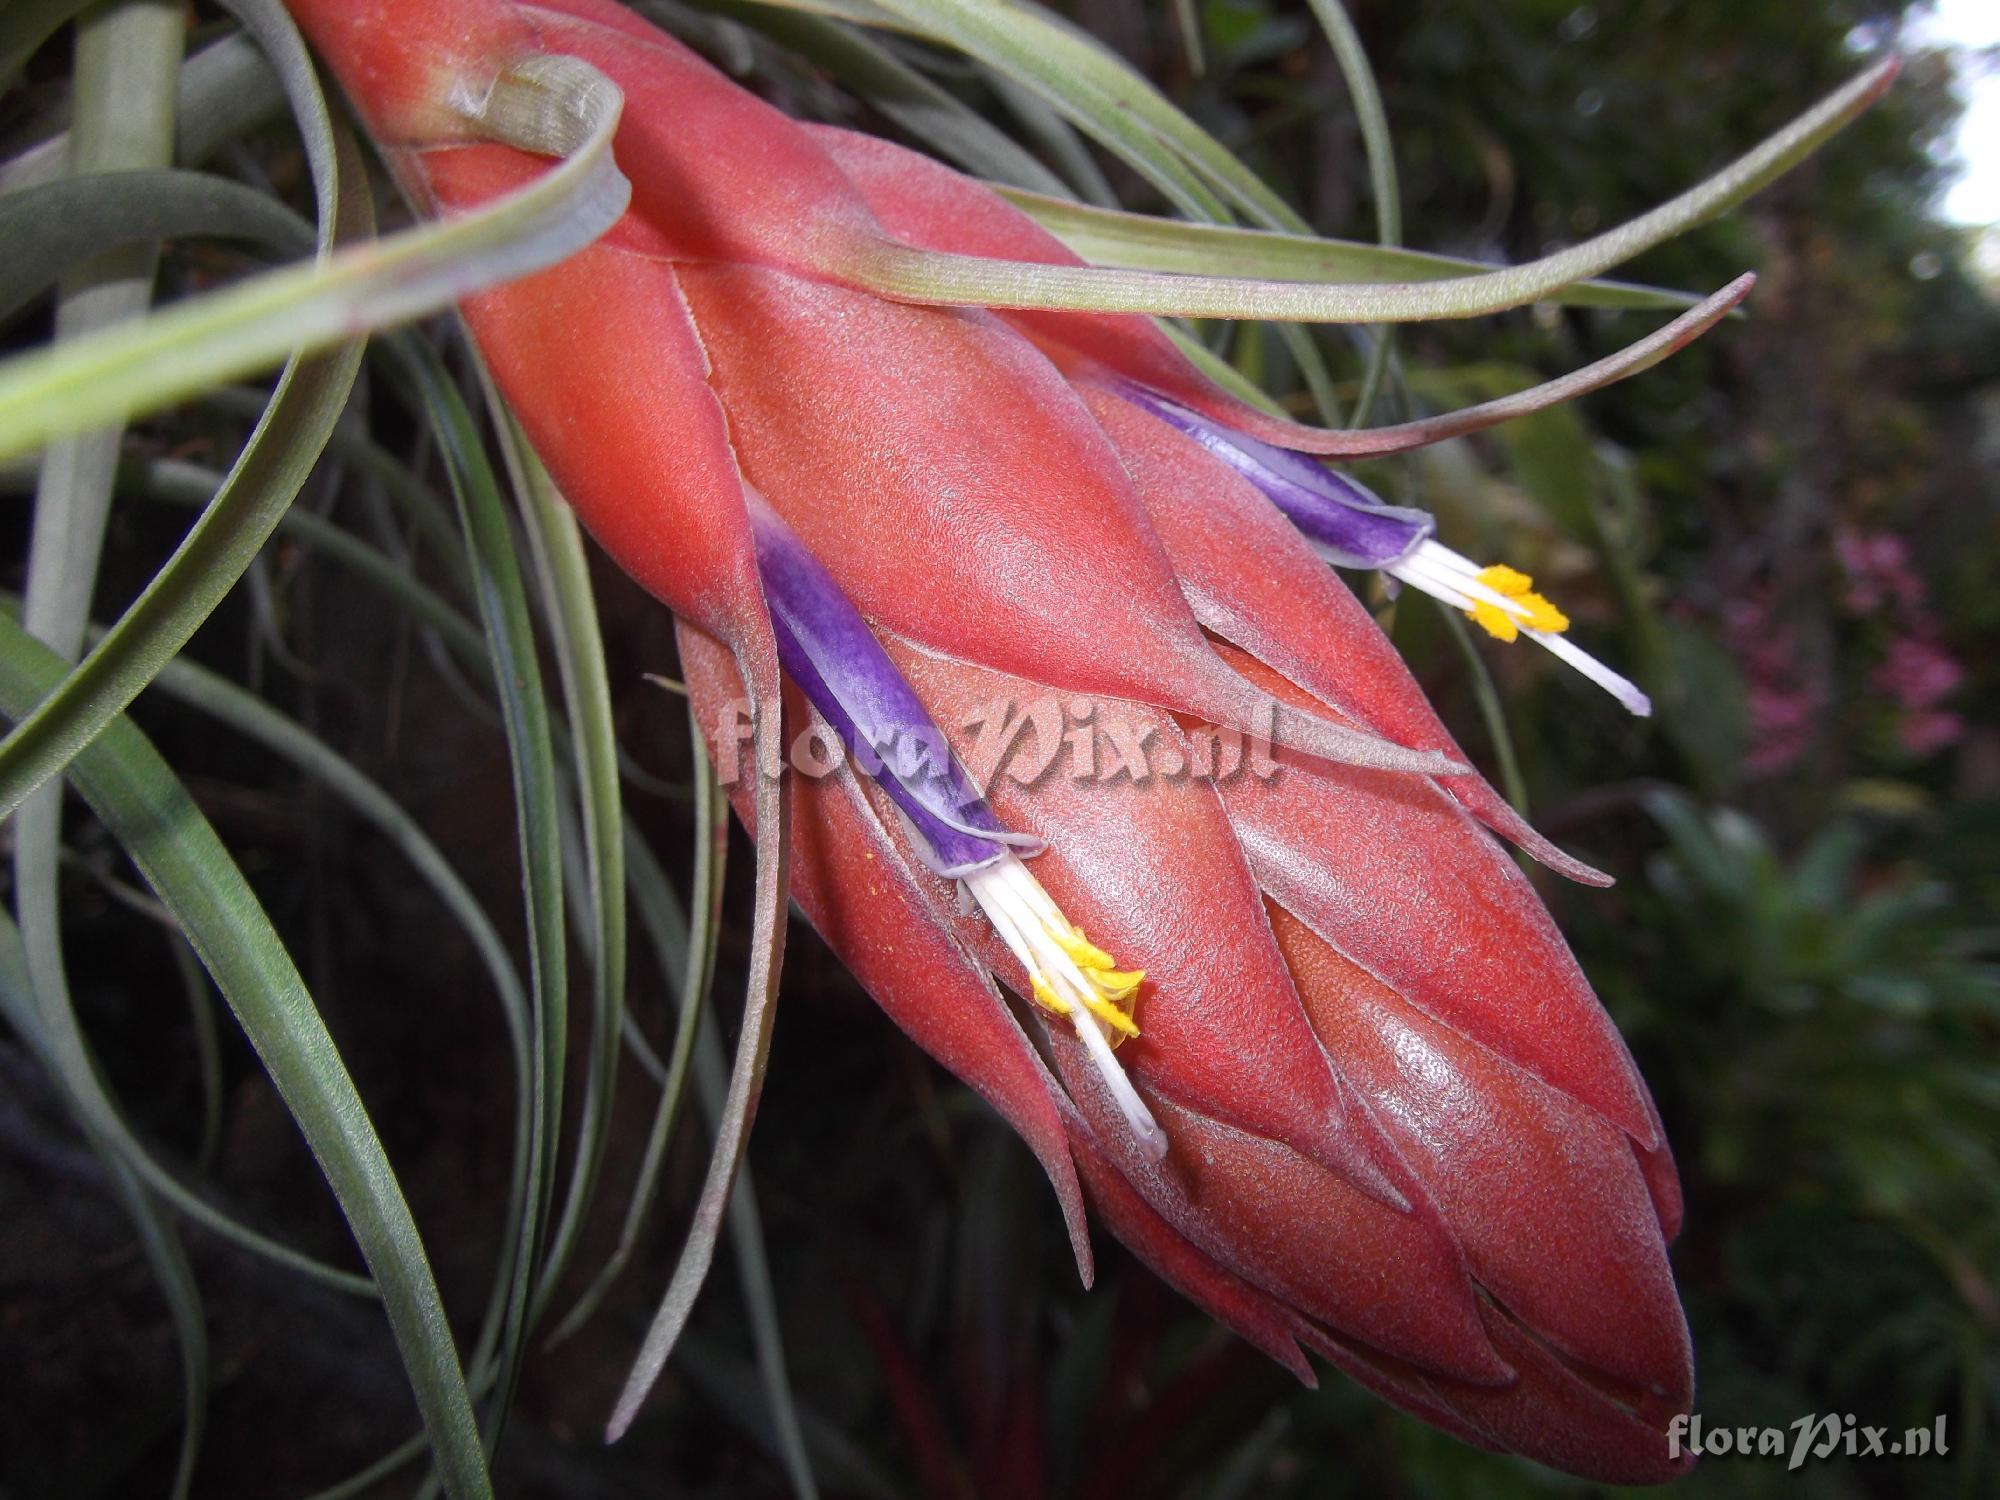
1917, 672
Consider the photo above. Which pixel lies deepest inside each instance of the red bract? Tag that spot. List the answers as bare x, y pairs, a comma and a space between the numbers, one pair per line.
1401, 1132
1522, 1297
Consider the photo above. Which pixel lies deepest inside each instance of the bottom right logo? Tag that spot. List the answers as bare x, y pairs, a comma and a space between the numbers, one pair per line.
1810, 1437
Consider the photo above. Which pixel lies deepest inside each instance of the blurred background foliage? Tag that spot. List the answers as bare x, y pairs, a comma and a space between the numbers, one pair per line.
1791, 532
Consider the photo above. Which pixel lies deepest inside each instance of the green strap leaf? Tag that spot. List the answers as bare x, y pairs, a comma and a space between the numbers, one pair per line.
162, 1247
510, 640
760, 1300
25, 25
223, 91
1112, 237
249, 715
570, 609
1374, 122
125, 61
210, 339
564, 209
46, 228
1085, 84
139, 799
927, 111
893, 269
267, 474
685, 952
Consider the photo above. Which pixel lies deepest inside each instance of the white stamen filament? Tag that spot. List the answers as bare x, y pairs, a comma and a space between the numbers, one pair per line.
1027, 919
1623, 689
1454, 578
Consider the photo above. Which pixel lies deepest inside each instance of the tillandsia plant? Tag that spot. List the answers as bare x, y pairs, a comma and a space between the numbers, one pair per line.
1013, 633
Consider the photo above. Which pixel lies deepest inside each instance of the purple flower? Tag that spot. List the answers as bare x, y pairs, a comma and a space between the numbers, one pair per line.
1351, 527
828, 650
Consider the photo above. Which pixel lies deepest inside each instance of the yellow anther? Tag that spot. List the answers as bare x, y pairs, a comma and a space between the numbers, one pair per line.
1494, 620
1117, 984
1525, 606
1542, 615
1112, 1001
1109, 997
1082, 952
1107, 1012
1069, 976
1505, 580
1046, 997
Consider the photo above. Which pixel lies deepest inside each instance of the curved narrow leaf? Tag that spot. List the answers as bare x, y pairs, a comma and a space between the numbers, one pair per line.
267, 474
1064, 68
223, 91
1101, 93
732, 1127
1641, 354
166, 836
1225, 375
161, 1246
510, 640
1113, 237
695, 1043
686, 954
1374, 122
893, 269
179, 482
27, 24
50, 227
123, 108
124, 101
207, 1048
123, 98
930, 114
1042, 64
1042, 124
760, 1301
1368, 114
249, 715
62, 1040
217, 337
570, 608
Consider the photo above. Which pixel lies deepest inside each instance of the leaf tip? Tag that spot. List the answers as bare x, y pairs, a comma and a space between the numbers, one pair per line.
622, 1416
1880, 77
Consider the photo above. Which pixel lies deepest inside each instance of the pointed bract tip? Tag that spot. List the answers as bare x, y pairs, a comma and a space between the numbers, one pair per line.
1308, 734
1086, 1265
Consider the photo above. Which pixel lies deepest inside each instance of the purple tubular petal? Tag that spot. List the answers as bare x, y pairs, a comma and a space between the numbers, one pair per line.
828, 650
1344, 520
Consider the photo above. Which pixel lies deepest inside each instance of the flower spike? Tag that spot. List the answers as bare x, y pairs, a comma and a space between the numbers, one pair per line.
828, 650
1351, 527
